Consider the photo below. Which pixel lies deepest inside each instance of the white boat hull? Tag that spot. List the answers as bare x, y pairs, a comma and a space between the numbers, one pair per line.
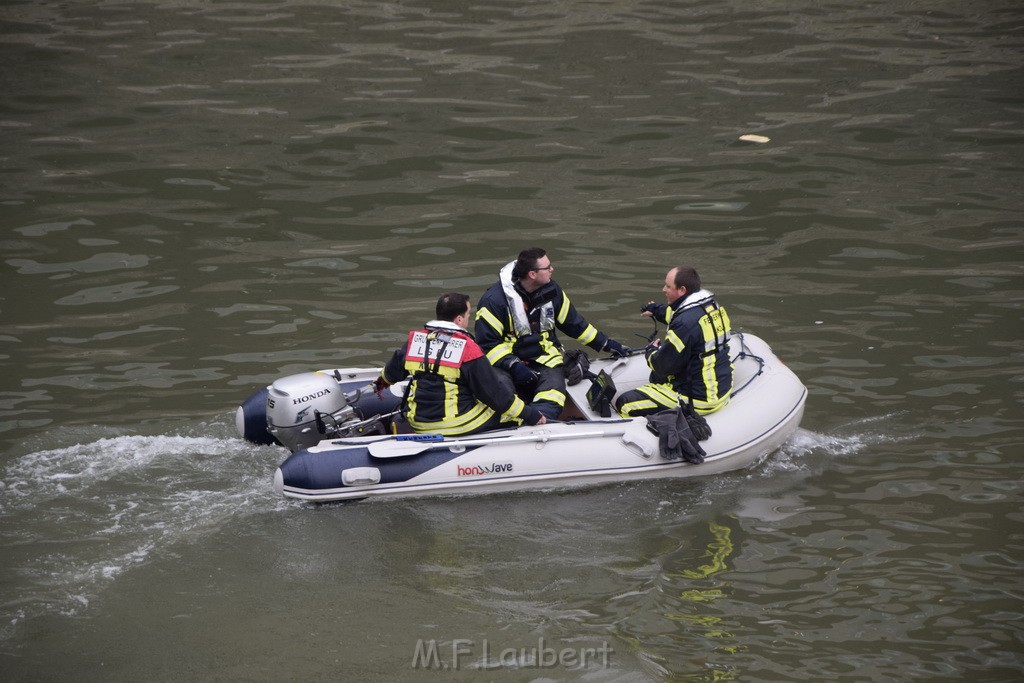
765, 410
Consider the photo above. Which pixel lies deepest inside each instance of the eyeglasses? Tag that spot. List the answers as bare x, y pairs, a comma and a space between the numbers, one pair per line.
548, 268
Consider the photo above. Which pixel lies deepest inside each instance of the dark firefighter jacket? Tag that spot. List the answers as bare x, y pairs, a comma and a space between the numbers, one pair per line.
454, 390
694, 355
512, 323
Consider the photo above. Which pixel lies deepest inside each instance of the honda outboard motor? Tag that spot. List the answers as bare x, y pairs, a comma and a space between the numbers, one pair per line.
304, 409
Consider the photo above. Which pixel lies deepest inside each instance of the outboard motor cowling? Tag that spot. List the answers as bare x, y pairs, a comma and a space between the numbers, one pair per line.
295, 402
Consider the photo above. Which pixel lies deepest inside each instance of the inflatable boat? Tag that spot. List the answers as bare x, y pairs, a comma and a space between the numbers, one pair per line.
347, 441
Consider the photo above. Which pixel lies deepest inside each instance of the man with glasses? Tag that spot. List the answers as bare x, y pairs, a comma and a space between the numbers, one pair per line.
516, 325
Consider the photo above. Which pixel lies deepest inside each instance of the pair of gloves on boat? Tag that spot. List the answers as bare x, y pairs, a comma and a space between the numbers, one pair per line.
680, 432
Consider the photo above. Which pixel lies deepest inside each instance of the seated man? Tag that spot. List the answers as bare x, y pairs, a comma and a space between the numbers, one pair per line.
692, 366
454, 389
516, 325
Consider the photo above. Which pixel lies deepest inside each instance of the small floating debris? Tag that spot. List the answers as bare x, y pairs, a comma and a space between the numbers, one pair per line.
712, 206
760, 139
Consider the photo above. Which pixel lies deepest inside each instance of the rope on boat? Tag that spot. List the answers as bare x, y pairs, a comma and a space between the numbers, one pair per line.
745, 353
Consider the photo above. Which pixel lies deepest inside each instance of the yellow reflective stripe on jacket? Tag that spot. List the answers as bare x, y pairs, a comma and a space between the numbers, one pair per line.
714, 326
505, 347
589, 333
451, 410
563, 310
710, 378
451, 401
515, 411
552, 356
552, 396
672, 338
447, 372
499, 352
471, 420
489, 318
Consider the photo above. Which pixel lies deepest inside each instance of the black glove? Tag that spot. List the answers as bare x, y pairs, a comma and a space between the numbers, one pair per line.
675, 438
576, 365
379, 385
692, 452
523, 377
650, 308
531, 415
698, 425
668, 439
615, 348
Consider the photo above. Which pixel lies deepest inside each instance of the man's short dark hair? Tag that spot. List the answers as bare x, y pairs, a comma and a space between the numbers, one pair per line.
527, 261
451, 305
687, 277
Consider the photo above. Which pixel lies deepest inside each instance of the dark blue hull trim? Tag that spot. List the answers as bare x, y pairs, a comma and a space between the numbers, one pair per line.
316, 471
254, 410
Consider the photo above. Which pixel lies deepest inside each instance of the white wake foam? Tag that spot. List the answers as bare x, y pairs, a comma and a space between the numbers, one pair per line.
78, 517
